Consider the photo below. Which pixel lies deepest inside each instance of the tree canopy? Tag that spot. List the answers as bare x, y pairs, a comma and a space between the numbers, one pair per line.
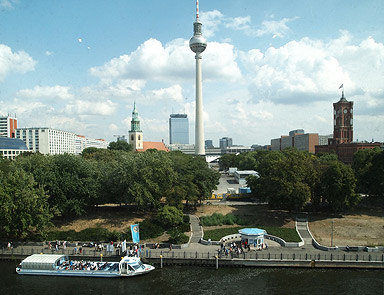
24, 205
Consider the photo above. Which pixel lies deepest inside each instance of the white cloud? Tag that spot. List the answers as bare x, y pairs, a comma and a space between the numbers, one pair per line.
82, 107
25, 108
294, 72
274, 28
113, 128
174, 92
121, 89
50, 92
239, 23
48, 53
8, 4
211, 21
17, 62
171, 62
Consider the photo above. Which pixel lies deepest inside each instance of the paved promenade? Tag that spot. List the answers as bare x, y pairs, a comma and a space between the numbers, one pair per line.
275, 254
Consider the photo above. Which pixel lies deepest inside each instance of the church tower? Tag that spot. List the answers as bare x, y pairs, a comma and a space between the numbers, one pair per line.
135, 134
342, 121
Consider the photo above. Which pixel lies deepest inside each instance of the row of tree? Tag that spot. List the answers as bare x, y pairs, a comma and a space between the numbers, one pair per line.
292, 179
35, 187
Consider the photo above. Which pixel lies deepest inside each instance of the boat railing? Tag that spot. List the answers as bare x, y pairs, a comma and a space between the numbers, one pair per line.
26, 251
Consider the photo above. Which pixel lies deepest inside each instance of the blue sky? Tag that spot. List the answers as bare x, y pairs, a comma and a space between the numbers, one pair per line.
270, 66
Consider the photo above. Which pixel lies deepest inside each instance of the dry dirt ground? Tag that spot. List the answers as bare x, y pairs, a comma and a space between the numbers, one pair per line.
356, 228
111, 217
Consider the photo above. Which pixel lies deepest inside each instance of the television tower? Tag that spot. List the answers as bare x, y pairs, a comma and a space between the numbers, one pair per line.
198, 44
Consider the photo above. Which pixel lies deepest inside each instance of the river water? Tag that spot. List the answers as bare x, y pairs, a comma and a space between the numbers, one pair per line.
202, 280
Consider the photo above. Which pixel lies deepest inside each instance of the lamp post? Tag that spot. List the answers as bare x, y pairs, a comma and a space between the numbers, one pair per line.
332, 234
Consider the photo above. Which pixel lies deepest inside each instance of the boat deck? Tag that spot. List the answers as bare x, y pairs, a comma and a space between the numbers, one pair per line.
89, 265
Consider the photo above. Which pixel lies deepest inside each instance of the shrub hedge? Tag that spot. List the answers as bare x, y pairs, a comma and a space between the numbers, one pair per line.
220, 219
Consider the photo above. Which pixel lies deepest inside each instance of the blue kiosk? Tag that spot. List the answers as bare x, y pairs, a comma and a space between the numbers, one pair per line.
253, 236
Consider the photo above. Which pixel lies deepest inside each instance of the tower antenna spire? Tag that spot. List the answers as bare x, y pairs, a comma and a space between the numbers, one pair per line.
197, 9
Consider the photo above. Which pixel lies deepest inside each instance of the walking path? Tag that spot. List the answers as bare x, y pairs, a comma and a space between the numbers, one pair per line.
196, 249
302, 228
196, 233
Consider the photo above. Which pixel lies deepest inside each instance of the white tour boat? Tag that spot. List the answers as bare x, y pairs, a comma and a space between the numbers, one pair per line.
60, 265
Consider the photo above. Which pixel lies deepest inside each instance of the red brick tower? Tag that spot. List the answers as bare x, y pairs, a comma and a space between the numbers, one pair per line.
342, 121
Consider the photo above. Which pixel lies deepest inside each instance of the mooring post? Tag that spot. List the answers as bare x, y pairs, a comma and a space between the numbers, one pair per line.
101, 257
217, 262
161, 261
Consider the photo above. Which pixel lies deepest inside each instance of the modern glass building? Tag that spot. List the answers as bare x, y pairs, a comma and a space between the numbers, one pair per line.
11, 147
178, 129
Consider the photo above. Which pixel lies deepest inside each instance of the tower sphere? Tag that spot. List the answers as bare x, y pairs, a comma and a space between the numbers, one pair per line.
198, 43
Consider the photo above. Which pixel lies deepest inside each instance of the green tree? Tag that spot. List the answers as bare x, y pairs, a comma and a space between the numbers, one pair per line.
363, 162
72, 182
24, 205
287, 179
142, 178
376, 176
169, 216
338, 184
195, 181
120, 145
228, 160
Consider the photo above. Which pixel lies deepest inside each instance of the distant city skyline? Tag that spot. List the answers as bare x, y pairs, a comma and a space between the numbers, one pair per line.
269, 67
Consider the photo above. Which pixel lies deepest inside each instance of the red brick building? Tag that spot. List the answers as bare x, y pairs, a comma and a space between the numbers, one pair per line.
342, 142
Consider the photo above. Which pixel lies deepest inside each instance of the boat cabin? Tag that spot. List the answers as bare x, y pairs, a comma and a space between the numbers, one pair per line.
43, 262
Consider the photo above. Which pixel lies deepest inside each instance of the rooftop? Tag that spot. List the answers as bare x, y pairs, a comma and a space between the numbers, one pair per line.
7, 143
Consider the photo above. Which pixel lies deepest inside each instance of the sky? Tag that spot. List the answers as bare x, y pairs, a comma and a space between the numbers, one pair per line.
270, 66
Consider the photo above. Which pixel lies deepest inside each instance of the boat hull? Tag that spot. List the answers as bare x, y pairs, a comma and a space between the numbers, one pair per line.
79, 273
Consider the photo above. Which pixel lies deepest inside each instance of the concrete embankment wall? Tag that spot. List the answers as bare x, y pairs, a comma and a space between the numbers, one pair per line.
263, 263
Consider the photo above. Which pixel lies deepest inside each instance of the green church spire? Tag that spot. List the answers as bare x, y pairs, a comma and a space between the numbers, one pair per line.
135, 122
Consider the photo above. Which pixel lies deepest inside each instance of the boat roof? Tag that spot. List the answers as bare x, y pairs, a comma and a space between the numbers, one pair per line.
42, 258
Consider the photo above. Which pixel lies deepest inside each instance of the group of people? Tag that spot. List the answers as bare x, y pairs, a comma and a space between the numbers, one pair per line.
88, 265
232, 249
56, 245
236, 248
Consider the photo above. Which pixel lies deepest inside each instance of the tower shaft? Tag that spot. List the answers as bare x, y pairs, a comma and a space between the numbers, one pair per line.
199, 122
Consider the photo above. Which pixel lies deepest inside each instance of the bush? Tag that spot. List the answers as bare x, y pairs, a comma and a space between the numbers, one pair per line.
287, 234
220, 219
217, 234
184, 227
186, 219
169, 216
149, 230
177, 237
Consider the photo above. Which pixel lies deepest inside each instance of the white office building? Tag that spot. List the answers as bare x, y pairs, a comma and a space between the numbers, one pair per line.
8, 126
82, 142
47, 141
52, 141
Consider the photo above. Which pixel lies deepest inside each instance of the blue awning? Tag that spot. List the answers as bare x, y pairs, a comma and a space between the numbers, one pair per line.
252, 231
